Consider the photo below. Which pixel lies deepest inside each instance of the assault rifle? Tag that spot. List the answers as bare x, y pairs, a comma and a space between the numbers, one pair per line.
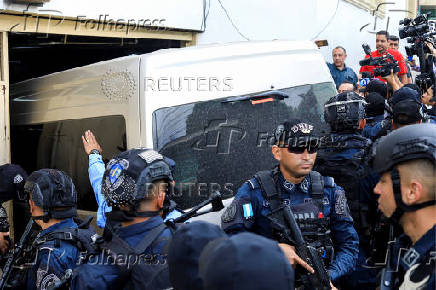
387, 274
290, 233
14, 273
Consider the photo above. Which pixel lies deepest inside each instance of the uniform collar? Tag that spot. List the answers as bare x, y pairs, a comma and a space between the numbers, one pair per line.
135, 229
66, 223
418, 251
291, 187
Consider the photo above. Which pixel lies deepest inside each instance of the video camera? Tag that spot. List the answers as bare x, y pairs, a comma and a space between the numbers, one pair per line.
383, 64
418, 33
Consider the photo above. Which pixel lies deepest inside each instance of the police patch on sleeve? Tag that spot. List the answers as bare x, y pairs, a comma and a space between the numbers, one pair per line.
48, 281
341, 206
229, 214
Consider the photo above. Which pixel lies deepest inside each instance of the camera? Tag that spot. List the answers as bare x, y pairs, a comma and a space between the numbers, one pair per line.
383, 64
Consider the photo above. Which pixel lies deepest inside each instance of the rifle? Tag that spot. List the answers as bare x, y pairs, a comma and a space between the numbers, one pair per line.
14, 272
387, 274
290, 233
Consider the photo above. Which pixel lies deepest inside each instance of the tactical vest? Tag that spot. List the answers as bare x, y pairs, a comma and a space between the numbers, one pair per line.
149, 271
347, 173
314, 226
83, 237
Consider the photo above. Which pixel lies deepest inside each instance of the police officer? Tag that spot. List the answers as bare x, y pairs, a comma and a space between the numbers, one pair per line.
134, 185
375, 115
12, 179
406, 192
318, 202
53, 204
342, 155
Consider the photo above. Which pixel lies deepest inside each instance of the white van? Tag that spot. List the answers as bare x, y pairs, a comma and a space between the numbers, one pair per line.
210, 108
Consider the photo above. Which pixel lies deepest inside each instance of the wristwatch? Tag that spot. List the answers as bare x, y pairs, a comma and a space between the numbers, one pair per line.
94, 151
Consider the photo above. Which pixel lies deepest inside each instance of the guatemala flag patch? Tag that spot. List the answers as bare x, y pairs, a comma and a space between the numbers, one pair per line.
248, 210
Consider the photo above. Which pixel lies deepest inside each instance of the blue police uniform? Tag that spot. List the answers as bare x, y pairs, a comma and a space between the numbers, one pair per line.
373, 127
249, 211
339, 76
415, 264
53, 259
100, 272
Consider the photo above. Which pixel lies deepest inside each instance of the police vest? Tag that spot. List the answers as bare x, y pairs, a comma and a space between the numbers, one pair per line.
83, 237
314, 226
347, 173
140, 271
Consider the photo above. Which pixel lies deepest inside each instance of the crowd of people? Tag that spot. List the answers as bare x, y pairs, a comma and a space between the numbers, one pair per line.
377, 164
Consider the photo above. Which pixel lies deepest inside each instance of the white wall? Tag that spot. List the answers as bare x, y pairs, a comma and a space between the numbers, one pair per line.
309, 20
182, 14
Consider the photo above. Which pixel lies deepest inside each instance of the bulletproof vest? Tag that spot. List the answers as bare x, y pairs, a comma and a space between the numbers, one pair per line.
149, 271
347, 172
83, 237
314, 226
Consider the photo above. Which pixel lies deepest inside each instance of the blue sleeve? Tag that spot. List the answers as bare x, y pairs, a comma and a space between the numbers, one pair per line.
345, 238
93, 276
96, 171
240, 214
50, 266
355, 79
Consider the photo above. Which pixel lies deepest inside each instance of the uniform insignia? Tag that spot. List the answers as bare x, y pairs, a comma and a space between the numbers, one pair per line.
229, 214
115, 172
286, 202
303, 127
304, 185
48, 281
325, 201
418, 281
150, 156
248, 210
341, 203
18, 178
288, 185
411, 257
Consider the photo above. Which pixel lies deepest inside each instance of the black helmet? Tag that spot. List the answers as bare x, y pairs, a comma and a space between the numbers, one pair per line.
407, 143
344, 111
129, 175
54, 192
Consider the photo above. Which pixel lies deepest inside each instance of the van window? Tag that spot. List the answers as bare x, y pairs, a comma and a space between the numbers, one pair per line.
59, 145
219, 145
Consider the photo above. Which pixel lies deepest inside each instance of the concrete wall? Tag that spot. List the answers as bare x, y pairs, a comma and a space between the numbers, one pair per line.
338, 22
186, 14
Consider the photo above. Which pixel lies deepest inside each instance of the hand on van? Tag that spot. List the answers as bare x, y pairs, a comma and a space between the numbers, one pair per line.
90, 142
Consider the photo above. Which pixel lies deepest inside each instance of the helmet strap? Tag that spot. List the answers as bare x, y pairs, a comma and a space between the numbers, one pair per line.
401, 206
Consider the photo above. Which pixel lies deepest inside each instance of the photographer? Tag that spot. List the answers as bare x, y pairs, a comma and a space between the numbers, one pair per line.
382, 50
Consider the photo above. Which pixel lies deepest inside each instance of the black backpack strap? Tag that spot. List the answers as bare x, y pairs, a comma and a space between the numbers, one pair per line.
149, 238
69, 235
269, 188
317, 188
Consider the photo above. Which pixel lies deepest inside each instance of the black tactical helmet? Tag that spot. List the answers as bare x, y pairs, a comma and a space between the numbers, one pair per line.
54, 192
344, 111
129, 175
407, 143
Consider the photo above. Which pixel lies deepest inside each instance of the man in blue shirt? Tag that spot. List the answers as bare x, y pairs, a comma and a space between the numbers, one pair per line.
53, 204
319, 204
406, 195
339, 71
134, 184
96, 170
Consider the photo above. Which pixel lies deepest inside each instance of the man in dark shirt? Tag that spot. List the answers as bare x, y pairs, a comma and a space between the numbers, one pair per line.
340, 72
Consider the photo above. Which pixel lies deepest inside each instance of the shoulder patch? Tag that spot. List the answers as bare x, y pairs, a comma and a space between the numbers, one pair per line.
229, 214
248, 210
48, 281
341, 207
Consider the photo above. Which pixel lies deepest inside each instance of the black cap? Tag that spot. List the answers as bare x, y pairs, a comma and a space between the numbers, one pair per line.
377, 86
402, 94
245, 261
407, 112
12, 179
376, 104
292, 130
184, 251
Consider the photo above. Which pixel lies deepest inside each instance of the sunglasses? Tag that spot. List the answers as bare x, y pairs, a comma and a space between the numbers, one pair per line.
300, 150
